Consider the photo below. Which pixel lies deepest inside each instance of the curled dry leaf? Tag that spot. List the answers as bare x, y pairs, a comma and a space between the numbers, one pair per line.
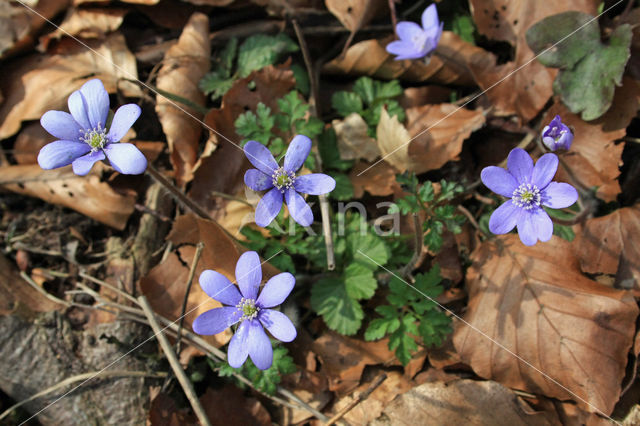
609, 245
460, 402
417, 149
85, 194
355, 14
353, 141
38, 83
379, 180
524, 93
551, 320
595, 158
449, 65
86, 23
184, 65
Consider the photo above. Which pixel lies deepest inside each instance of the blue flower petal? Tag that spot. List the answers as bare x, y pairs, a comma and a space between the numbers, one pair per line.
430, 17
238, 346
404, 50
268, 207
534, 225
82, 166
260, 156
61, 125
259, 345
97, 100
499, 180
504, 218
278, 324
61, 153
218, 287
276, 290
298, 207
249, 274
216, 320
78, 109
559, 195
122, 121
297, 152
257, 180
520, 165
126, 158
314, 184
544, 170
408, 30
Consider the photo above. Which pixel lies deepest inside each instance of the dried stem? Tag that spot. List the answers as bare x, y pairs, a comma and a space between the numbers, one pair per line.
406, 272
357, 400
192, 272
394, 17
175, 364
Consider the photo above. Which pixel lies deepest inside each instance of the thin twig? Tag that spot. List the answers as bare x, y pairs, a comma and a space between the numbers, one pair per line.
102, 283
187, 386
80, 378
357, 400
324, 204
42, 291
462, 209
394, 17
192, 272
406, 272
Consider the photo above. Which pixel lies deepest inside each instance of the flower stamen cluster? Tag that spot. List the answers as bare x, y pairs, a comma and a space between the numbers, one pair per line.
283, 179
526, 196
248, 309
96, 138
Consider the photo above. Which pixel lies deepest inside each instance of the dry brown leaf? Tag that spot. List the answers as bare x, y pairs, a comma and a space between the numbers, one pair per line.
38, 83
523, 92
232, 407
215, 3
594, 158
184, 65
354, 142
415, 149
462, 402
165, 284
609, 244
85, 194
535, 302
29, 142
19, 25
371, 408
355, 14
86, 23
451, 64
379, 180
343, 359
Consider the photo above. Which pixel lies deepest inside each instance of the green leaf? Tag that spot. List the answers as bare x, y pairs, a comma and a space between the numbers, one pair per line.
292, 106
340, 312
364, 88
328, 149
589, 69
344, 189
215, 84
267, 380
260, 50
228, 54
387, 90
370, 245
434, 327
346, 103
379, 327
562, 231
463, 26
302, 79
310, 128
401, 342
359, 281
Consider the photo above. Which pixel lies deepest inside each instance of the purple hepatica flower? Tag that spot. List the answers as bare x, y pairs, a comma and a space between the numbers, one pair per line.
282, 181
415, 41
557, 135
249, 309
83, 134
529, 188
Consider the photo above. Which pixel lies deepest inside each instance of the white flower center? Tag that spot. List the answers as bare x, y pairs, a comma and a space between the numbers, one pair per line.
419, 41
282, 179
526, 196
247, 308
96, 138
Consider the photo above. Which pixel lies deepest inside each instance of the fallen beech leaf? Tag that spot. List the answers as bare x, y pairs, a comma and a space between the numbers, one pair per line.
415, 149
460, 402
443, 142
371, 408
29, 142
354, 14
19, 25
609, 243
165, 284
38, 83
594, 158
230, 403
84, 194
353, 141
451, 63
379, 180
343, 359
184, 65
86, 23
535, 302
216, 3
526, 91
